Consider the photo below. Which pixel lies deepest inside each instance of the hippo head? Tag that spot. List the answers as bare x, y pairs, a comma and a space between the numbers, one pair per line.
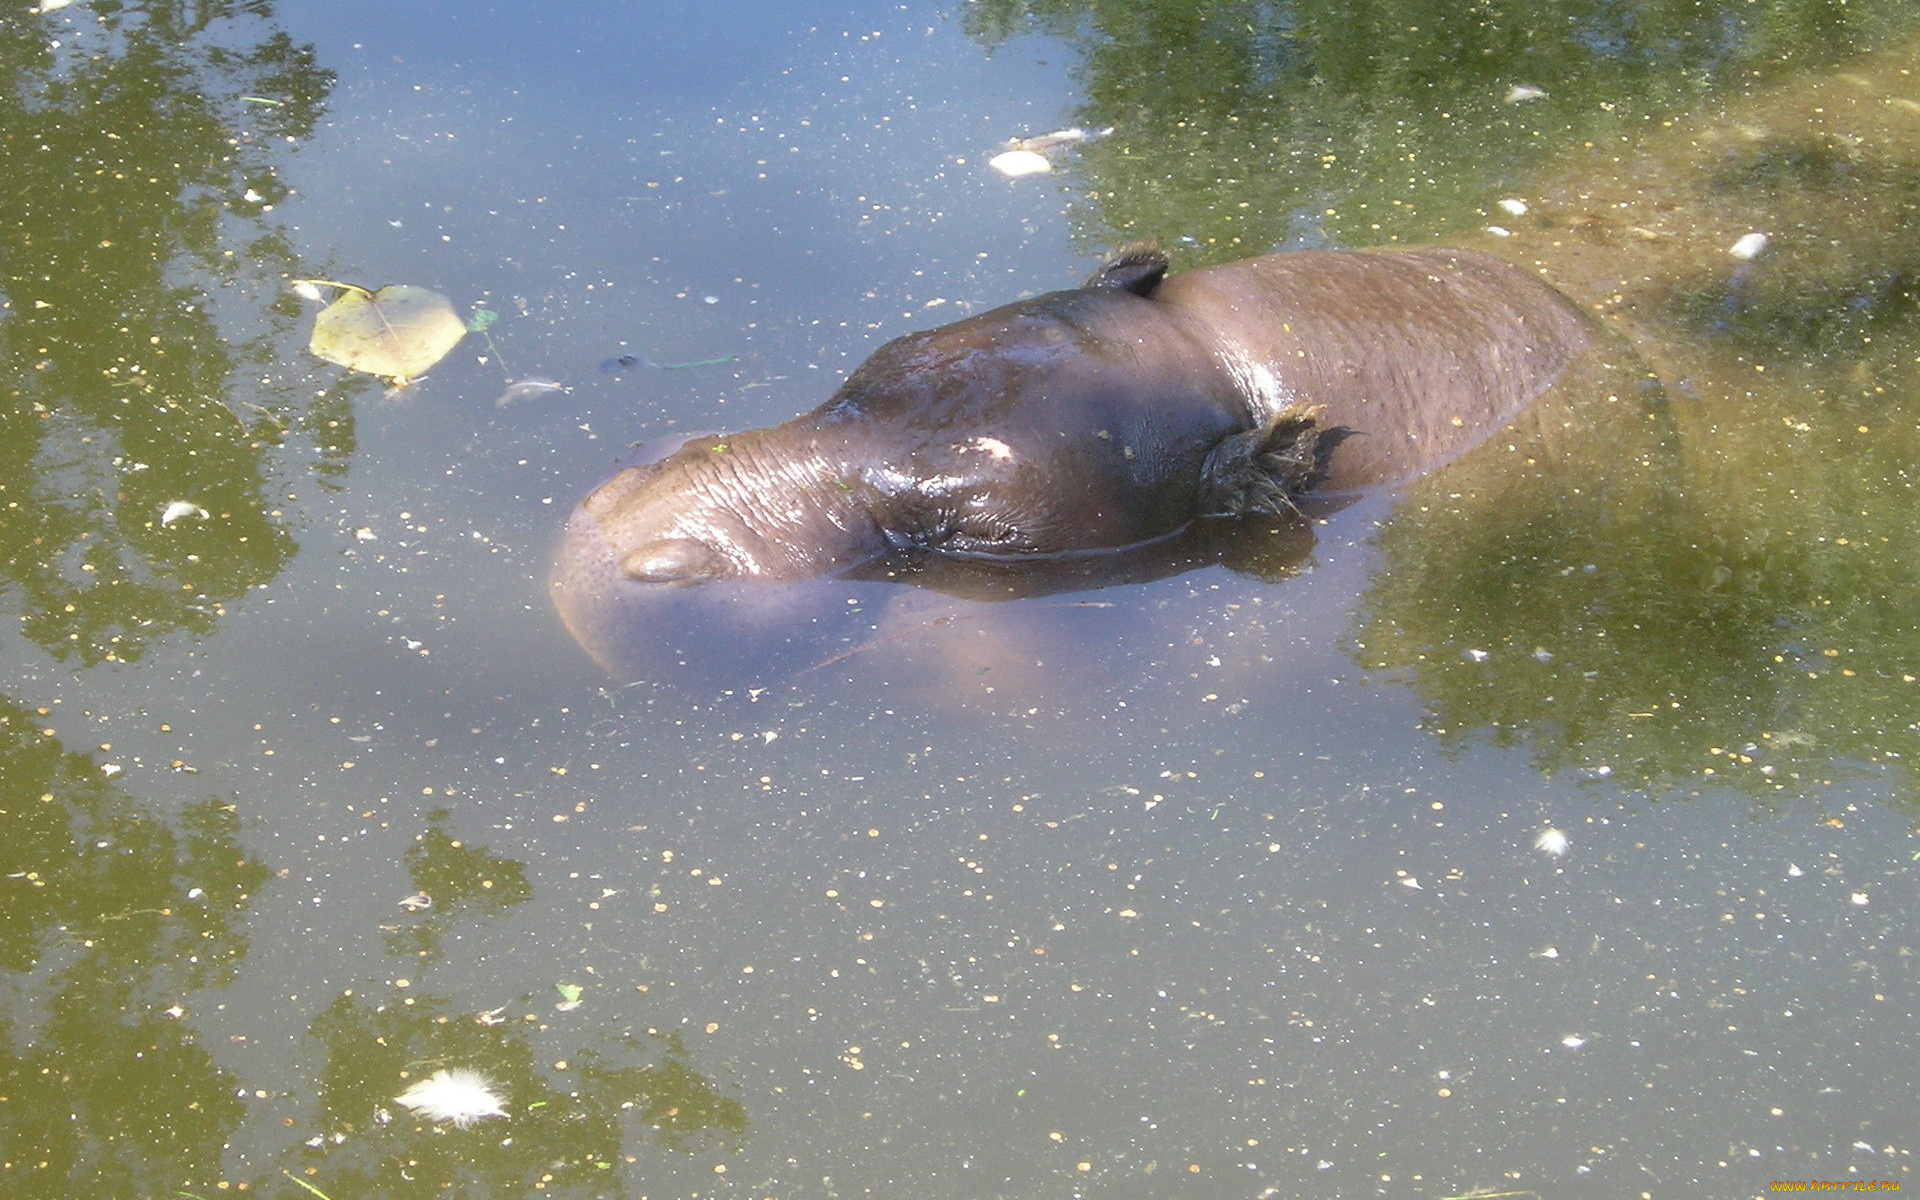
764, 504
651, 530
700, 511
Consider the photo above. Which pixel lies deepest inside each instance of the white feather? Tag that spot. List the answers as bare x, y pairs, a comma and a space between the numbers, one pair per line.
462, 1096
179, 510
1552, 841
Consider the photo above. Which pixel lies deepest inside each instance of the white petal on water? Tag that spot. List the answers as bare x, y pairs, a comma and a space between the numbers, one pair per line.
1521, 92
1573, 1041
306, 289
1015, 163
1748, 247
1499, 231
1552, 841
1513, 207
179, 510
461, 1096
1475, 655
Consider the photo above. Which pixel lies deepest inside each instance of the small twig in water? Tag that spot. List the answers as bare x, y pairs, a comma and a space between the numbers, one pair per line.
303, 1183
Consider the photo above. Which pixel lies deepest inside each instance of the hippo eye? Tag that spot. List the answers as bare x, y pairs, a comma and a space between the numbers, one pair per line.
673, 560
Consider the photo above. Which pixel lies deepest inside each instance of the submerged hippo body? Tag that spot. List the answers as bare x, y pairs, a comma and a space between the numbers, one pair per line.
1103, 417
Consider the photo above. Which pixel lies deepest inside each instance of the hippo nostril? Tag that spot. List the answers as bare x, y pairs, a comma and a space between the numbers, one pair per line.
673, 560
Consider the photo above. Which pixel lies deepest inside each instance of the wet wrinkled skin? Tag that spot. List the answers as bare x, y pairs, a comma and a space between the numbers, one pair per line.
1076, 423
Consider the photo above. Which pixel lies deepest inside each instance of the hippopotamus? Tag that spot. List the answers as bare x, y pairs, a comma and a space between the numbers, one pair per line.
1103, 417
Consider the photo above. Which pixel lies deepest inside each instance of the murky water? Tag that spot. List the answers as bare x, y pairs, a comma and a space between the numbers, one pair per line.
1228, 881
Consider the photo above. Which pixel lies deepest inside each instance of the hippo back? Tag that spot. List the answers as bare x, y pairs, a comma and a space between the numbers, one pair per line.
1413, 357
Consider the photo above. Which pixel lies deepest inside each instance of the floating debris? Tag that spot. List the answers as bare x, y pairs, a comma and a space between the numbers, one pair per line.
481, 322
180, 510
1521, 92
527, 389
1748, 247
1552, 841
1513, 207
1060, 139
1036, 155
622, 362
462, 1096
1573, 1041
418, 902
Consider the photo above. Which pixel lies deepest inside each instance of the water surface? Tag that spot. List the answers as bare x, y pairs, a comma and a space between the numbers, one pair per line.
1224, 883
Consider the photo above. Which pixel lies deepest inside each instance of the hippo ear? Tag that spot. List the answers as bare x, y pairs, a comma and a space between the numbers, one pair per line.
1137, 267
673, 560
